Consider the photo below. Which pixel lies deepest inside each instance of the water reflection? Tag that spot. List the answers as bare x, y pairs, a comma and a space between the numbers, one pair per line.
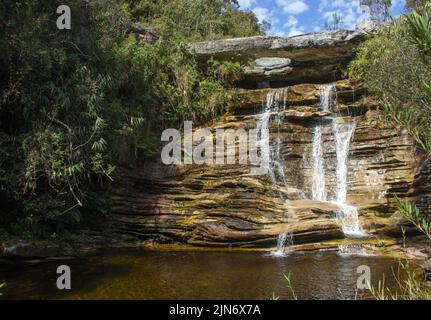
196, 275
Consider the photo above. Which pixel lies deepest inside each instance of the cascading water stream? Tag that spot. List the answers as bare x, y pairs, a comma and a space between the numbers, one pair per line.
348, 216
271, 153
284, 240
328, 97
318, 191
343, 133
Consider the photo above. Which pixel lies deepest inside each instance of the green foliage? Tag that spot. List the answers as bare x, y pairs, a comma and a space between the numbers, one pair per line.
56, 128
289, 285
412, 213
403, 234
420, 32
415, 4
395, 66
392, 67
274, 297
73, 103
410, 283
194, 20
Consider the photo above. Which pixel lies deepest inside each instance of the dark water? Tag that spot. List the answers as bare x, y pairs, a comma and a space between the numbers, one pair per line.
195, 275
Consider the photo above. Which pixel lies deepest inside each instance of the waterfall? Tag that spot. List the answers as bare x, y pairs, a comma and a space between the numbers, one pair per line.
318, 188
271, 152
343, 133
284, 240
328, 97
348, 215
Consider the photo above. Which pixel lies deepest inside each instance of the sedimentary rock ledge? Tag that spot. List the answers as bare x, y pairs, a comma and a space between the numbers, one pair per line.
311, 57
309, 47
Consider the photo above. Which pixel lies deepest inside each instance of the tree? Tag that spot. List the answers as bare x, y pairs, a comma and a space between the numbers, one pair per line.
74, 104
195, 20
335, 24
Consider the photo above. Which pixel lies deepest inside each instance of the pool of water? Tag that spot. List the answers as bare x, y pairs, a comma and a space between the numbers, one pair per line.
142, 274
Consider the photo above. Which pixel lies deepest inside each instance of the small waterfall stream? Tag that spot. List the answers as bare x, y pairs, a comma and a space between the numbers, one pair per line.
284, 240
271, 152
318, 190
348, 215
328, 97
343, 133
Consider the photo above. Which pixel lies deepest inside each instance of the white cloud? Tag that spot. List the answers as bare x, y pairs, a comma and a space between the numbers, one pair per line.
293, 27
279, 33
293, 7
349, 11
291, 22
245, 4
262, 14
295, 31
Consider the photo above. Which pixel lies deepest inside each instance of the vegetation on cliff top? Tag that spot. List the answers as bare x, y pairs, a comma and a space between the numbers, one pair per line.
75, 102
396, 67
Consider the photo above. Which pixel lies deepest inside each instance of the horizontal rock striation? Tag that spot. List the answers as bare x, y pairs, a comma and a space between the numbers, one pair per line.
227, 206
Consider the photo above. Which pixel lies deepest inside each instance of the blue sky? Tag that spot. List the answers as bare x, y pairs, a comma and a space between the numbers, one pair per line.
293, 17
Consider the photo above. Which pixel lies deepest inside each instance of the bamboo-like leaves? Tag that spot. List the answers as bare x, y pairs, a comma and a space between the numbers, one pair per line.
413, 214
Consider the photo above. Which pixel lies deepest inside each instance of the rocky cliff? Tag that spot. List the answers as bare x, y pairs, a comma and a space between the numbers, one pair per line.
318, 57
331, 161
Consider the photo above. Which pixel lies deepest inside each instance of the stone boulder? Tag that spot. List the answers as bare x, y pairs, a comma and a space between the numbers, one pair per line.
263, 69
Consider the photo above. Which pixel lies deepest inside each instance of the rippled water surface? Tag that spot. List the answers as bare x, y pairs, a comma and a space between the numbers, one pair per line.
196, 275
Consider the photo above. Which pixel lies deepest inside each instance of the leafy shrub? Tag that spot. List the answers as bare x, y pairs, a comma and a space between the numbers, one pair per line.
410, 282
73, 103
195, 20
412, 214
393, 69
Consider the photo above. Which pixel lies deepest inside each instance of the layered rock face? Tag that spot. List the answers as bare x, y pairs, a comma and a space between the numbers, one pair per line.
318, 57
335, 164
